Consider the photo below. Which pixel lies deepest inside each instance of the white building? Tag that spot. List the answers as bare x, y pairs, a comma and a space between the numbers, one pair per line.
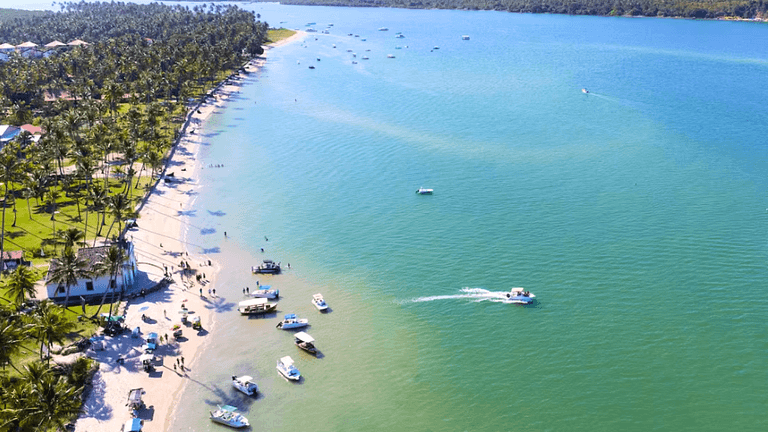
93, 289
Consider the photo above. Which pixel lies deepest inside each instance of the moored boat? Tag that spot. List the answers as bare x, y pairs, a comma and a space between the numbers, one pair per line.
425, 191
319, 302
269, 266
265, 291
290, 322
286, 368
256, 306
519, 296
383, 29
245, 384
465, 37
226, 415
390, 56
305, 342
585, 91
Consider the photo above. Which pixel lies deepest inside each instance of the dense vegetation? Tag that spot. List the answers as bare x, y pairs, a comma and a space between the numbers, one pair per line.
11, 14
110, 112
748, 9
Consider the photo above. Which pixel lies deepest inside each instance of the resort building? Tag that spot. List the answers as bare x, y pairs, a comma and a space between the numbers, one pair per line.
94, 288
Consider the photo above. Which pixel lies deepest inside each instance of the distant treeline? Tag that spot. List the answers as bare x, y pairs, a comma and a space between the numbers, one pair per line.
10, 14
710, 9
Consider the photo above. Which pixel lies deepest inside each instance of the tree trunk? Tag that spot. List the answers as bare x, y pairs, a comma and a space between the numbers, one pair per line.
2, 234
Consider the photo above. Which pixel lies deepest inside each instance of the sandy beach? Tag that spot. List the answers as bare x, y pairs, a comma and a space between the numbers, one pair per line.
160, 249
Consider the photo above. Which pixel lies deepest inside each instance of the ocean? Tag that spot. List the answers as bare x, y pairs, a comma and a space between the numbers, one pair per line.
636, 213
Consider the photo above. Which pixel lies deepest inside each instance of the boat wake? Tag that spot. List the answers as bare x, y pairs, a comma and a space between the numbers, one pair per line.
475, 294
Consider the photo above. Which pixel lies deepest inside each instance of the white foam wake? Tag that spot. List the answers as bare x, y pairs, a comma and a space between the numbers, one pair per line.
475, 294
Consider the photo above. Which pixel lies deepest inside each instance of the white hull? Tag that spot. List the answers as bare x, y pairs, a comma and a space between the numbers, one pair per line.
297, 324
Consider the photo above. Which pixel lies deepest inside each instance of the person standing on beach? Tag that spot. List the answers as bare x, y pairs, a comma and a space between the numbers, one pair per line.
201, 292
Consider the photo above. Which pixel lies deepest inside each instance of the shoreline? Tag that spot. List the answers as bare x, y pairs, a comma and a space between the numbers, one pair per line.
158, 251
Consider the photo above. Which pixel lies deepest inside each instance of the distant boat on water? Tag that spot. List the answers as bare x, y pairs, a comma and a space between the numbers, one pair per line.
585, 91
465, 37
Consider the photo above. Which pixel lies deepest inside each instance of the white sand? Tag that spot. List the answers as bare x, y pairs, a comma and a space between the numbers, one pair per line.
157, 243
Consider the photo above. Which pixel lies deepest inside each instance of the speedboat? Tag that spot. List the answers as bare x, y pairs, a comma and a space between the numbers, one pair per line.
465, 37
365, 57
256, 306
425, 191
390, 56
519, 296
585, 91
400, 36
226, 415
319, 302
265, 291
269, 266
286, 368
311, 67
245, 384
290, 322
383, 29
305, 342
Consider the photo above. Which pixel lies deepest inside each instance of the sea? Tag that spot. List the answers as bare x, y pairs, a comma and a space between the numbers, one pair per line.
614, 167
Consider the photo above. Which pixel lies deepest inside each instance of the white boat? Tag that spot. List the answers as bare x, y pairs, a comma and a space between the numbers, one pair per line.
465, 37
245, 384
585, 91
365, 57
425, 191
265, 291
519, 296
319, 302
290, 322
286, 368
256, 306
269, 266
226, 415
305, 342
334, 45
400, 36
390, 56
383, 29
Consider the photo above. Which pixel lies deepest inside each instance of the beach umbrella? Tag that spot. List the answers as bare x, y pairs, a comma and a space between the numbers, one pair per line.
55, 44
27, 44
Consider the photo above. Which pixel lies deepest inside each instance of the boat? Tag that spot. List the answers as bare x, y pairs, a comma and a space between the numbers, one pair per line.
305, 342
269, 266
286, 368
265, 291
334, 45
425, 191
465, 37
226, 415
319, 302
383, 29
436, 47
400, 36
311, 30
290, 322
390, 56
256, 306
519, 296
311, 24
245, 384
318, 59
585, 91
365, 57
311, 67
398, 47
354, 62
326, 31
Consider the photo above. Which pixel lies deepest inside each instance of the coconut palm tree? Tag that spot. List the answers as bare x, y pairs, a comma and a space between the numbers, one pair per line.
11, 339
67, 270
49, 326
71, 237
53, 402
110, 265
20, 284
9, 172
121, 208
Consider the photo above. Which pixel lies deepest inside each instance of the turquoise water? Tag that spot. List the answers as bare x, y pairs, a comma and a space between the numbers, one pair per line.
636, 214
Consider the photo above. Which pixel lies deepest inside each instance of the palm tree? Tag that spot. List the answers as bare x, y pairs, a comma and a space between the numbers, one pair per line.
20, 284
49, 326
11, 339
9, 172
71, 237
68, 270
53, 402
110, 265
121, 208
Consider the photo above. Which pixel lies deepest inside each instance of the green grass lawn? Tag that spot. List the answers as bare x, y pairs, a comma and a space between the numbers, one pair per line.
275, 35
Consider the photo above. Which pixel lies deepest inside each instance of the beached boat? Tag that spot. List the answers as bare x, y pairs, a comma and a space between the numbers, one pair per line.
286, 368
291, 322
265, 291
425, 191
226, 415
269, 266
256, 306
245, 384
519, 296
319, 302
305, 342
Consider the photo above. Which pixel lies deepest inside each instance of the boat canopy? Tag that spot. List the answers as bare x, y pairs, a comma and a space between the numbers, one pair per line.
517, 290
146, 357
244, 378
287, 361
229, 408
317, 296
290, 316
253, 302
304, 337
266, 287
268, 261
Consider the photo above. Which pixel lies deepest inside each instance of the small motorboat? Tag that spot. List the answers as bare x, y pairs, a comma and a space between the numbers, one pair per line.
390, 56
286, 368
256, 306
318, 59
365, 57
354, 62
305, 342
425, 191
311, 67
290, 322
585, 91
319, 302
265, 291
383, 29
245, 384
269, 266
465, 37
226, 415
334, 45
400, 36
436, 47
519, 296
